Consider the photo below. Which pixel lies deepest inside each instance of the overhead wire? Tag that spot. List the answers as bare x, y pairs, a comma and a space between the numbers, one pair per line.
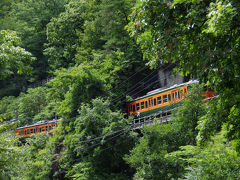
94, 145
93, 139
145, 67
97, 144
119, 97
168, 66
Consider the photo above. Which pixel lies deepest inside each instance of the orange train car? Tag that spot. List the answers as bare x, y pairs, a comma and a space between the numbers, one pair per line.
43, 127
162, 100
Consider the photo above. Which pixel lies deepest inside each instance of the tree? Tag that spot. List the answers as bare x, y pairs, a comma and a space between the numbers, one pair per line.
26, 107
13, 58
216, 160
74, 86
62, 35
202, 37
97, 142
31, 18
150, 155
38, 158
105, 42
30, 104
87, 34
5, 20
10, 153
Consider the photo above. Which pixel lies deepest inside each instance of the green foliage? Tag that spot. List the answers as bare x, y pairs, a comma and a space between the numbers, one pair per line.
88, 38
5, 20
74, 86
31, 103
26, 107
203, 37
97, 143
187, 117
10, 153
31, 18
38, 158
92, 33
220, 17
217, 160
4, 107
62, 35
13, 57
233, 127
149, 157
105, 42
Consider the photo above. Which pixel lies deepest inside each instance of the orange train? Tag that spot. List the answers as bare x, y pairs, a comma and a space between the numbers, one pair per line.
162, 100
43, 127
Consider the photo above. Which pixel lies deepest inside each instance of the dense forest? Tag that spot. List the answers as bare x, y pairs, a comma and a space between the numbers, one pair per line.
78, 60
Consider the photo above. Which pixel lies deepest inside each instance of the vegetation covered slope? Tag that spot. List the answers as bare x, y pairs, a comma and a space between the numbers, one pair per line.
92, 52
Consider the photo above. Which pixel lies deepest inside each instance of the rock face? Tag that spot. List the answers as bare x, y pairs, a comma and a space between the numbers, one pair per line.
167, 78
161, 78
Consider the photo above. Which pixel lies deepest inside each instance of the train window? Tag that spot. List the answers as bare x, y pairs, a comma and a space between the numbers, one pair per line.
34, 130
46, 128
164, 98
155, 102
28, 131
169, 97
40, 129
133, 108
31, 130
176, 96
43, 129
181, 93
146, 104
173, 96
142, 105
150, 103
137, 105
185, 90
159, 99
25, 132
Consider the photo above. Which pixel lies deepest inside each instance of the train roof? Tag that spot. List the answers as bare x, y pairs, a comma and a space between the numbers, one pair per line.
160, 90
39, 123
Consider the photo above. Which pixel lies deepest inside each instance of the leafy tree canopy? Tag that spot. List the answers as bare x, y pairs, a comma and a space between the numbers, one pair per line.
203, 38
149, 156
97, 142
31, 18
74, 86
217, 160
13, 58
